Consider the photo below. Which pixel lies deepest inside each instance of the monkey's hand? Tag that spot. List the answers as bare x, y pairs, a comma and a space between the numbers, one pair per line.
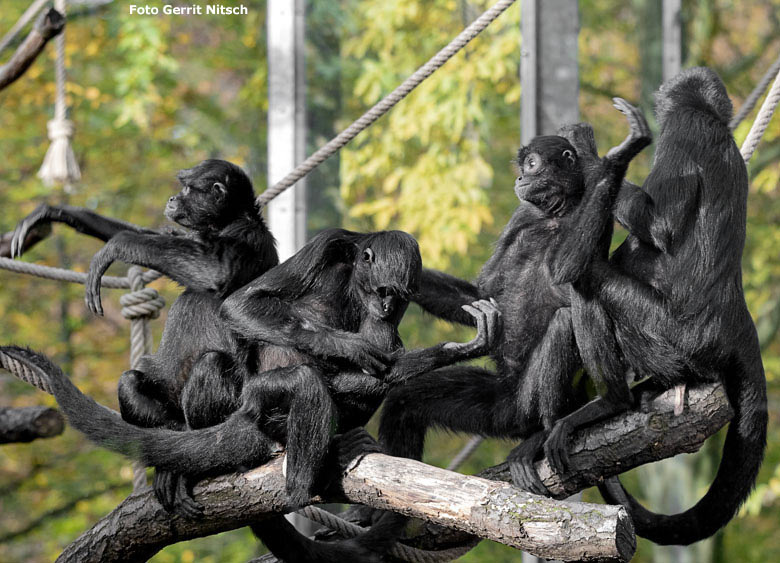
556, 446
367, 356
639, 135
42, 215
488, 318
97, 267
521, 465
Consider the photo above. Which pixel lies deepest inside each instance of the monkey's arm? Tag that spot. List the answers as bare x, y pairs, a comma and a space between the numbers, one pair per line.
412, 363
256, 314
186, 261
443, 296
590, 225
83, 220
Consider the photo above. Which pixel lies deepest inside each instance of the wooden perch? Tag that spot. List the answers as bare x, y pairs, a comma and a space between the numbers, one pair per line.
634, 438
29, 423
48, 25
139, 526
36, 235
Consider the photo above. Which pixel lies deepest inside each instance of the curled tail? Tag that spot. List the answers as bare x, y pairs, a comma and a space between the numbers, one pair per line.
743, 452
209, 451
286, 543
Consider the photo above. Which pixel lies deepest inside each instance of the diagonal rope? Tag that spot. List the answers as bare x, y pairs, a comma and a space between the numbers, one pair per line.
755, 95
384, 105
28, 15
762, 119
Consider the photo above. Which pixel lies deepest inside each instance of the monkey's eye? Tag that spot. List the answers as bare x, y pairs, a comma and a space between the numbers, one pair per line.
368, 255
532, 163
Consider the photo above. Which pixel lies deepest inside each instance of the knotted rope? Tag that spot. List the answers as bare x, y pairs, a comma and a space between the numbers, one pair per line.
142, 304
384, 105
59, 164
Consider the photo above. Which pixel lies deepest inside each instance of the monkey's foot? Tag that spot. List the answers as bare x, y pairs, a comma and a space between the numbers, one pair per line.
639, 135
521, 465
172, 491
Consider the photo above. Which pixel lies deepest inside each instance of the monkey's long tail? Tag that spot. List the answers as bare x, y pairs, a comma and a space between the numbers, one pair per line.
743, 452
217, 449
285, 542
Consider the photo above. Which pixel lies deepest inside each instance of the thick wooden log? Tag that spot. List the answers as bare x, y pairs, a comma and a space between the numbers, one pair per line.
29, 423
139, 526
634, 438
48, 25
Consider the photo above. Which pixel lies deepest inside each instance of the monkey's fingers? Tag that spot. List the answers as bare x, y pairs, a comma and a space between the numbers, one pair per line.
479, 343
556, 447
492, 319
639, 135
23, 229
184, 504
92, 296
521, 465
164, 489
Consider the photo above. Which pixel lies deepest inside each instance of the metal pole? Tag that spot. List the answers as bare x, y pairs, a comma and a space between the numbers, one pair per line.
286, 121
549, 72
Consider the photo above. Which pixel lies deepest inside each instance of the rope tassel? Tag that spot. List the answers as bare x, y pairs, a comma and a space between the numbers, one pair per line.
59, 164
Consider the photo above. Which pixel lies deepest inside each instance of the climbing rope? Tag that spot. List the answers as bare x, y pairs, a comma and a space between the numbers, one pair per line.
399, 550
384, 105
752, 99
762, 119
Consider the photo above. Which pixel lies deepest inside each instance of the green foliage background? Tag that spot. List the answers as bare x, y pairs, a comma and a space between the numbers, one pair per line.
150, 95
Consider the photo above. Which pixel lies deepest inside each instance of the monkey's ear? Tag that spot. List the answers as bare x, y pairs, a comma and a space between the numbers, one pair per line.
220, 187
569, 157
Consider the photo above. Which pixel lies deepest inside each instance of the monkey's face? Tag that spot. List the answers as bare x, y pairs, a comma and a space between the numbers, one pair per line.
386, 273
549, 175
213, 194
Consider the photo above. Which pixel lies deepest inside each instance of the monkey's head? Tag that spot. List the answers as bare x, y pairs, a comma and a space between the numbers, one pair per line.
387, 273
549, 175
213, 194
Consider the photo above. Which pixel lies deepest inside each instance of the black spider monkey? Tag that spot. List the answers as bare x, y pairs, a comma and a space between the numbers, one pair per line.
678, 310
326, 317
540, 250
198, 360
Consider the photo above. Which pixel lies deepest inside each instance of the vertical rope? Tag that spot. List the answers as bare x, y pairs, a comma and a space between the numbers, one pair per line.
59, 164
139, 306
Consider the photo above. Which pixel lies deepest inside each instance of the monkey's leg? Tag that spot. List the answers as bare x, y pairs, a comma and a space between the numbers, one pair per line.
145, 402
212, 392
459, 398
210, 396
310, 414
546, 381
357, 396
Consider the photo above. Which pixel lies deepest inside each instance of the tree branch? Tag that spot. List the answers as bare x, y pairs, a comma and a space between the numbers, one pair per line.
48, 25
139, 526
29, 423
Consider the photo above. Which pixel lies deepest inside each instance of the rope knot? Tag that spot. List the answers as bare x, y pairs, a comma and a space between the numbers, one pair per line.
142, 303
60, 129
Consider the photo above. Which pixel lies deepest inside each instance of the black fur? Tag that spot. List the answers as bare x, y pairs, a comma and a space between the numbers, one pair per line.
345, 293
538, 253
679, 311
198, 361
